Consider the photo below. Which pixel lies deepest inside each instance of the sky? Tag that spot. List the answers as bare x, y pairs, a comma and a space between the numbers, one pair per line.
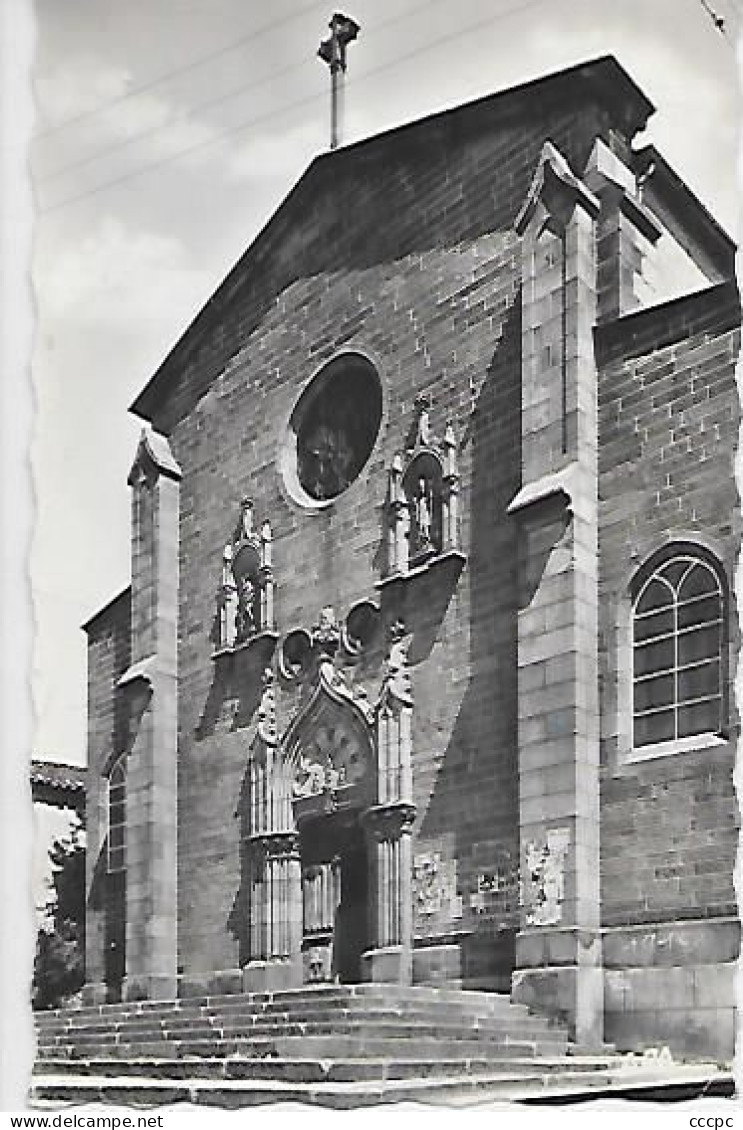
166, 134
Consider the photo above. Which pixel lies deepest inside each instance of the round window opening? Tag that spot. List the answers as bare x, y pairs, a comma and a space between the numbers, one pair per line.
332, 429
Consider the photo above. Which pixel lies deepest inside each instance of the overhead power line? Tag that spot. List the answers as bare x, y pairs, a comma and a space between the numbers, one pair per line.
716, 19
238, 92
282, 111
186, 116
145, 87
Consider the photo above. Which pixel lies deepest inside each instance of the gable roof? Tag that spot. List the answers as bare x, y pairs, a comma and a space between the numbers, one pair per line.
601, 84
112, 610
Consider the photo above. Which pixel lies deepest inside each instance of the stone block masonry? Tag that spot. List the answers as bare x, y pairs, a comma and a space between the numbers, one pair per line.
481, 269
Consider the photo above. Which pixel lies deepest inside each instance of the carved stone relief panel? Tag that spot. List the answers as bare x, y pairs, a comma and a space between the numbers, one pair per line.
332, 756
435, 888
543, 878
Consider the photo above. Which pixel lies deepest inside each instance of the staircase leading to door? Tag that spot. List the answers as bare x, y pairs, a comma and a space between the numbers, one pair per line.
342, 1046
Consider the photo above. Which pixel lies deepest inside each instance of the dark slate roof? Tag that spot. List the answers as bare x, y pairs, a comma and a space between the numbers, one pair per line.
107, 610
691, 224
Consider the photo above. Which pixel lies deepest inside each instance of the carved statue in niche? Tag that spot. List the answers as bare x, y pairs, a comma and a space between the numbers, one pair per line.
422, 501
245, 598
245, 618
421, 531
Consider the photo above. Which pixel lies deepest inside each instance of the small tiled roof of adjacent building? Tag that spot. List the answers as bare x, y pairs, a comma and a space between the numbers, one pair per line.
58, 784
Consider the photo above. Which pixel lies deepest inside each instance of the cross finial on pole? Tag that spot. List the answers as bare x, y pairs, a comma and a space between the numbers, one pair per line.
343, 30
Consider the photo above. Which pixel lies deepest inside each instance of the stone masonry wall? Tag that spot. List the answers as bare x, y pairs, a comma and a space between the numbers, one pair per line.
108, 657
463, 680
371, 205
433, 300
668, 427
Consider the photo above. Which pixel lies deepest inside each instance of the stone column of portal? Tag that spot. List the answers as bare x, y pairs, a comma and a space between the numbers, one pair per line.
388, 827
151, 683
558, 948
389, 834
274, 867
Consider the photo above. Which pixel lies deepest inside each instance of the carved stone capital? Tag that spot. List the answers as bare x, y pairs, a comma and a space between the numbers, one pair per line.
276, 845
389, 821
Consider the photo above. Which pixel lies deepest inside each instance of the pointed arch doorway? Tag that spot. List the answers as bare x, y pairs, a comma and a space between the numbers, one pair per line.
330, 757
335, 896
329, 849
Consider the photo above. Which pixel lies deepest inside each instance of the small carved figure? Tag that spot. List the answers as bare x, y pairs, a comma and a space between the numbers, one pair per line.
227, 578
423, 515
332, 775
245, 618
267, 709
423, 430
244, 531
310, 778
326, 633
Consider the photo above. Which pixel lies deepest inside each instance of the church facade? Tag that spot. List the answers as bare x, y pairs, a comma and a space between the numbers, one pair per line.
425, 670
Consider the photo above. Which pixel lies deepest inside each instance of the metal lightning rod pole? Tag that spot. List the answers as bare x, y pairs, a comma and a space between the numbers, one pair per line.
343, 30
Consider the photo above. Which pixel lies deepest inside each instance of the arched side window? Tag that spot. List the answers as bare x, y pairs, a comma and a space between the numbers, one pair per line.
678, 650
117, 818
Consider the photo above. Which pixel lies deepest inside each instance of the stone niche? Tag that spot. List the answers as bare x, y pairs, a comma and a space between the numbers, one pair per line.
245, 595
422, 508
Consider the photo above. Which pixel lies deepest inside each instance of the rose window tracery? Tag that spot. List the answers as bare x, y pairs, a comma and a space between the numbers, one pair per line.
332, 430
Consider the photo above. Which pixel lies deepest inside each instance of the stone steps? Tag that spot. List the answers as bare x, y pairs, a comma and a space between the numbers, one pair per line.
395, 996
291, 1046
530, 1083
346, 1045
220, 1028
330, 1021
306, 1016
237, 1094
314, 1070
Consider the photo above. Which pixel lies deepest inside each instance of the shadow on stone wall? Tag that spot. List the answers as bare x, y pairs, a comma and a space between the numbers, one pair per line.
474, 798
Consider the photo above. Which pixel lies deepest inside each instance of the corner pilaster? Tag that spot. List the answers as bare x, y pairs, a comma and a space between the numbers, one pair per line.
151, 687
626, 235
558, 956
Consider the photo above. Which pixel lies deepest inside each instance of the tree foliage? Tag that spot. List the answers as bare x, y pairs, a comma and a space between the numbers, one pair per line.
59, 967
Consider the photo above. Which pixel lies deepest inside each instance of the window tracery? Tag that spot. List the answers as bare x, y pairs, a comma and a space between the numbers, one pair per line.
678, 640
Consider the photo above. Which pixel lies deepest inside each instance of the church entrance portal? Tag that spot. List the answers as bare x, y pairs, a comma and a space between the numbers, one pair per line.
328, 850
335, 897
